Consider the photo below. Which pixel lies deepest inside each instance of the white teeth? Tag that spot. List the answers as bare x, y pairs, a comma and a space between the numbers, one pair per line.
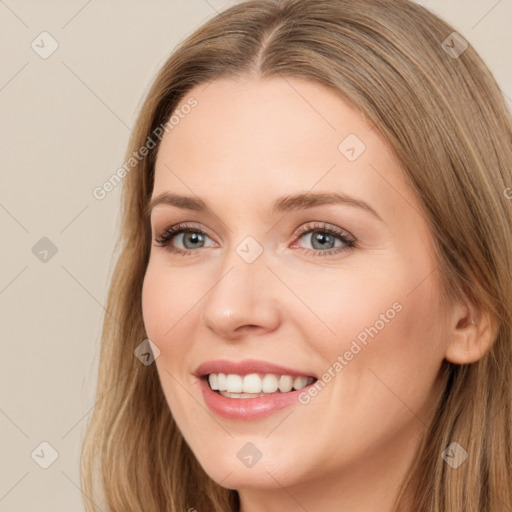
234, 383
255, 384
269, 383
285, 383
252, 383
241, 395
300, 382
221, 381
213, 379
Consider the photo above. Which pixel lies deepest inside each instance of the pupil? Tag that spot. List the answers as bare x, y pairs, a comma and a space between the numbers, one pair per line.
194, 236
323, 239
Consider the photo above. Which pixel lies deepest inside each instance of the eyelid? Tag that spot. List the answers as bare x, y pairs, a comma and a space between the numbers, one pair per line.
185, 225
322, 225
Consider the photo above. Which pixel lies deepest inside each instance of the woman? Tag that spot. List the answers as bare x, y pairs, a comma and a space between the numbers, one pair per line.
316, 238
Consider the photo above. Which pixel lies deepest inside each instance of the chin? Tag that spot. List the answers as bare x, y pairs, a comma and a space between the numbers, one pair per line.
228, 470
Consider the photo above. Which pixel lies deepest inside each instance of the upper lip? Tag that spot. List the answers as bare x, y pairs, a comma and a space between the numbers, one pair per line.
247, 366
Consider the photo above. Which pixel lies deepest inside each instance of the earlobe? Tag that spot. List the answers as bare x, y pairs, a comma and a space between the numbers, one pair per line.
472, 334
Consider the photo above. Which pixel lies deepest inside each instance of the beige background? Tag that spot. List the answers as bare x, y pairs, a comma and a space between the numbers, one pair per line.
65, 122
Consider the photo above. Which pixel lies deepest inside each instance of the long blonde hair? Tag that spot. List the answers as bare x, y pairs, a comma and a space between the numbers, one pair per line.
444, 116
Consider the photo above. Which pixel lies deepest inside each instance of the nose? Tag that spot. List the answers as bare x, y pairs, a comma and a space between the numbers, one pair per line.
243, 299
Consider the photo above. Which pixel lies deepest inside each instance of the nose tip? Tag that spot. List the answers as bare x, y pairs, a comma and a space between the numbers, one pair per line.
242, 302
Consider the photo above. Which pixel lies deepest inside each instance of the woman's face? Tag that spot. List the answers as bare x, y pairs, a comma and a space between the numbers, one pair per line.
320, 288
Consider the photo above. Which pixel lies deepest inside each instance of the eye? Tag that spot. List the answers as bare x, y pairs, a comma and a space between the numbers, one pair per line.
192, 239
323, 238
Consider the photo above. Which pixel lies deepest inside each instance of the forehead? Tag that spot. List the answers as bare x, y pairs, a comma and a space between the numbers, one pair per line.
249, 138
277, 115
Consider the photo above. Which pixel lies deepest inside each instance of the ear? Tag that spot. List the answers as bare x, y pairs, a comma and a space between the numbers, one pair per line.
472, 333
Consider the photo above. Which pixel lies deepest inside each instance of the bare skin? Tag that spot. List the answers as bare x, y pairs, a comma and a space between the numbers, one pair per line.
245, 145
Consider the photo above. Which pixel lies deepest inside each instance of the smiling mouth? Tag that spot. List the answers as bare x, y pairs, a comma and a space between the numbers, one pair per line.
255, 385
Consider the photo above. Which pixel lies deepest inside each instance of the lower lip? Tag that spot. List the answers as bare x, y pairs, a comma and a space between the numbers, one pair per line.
247, 408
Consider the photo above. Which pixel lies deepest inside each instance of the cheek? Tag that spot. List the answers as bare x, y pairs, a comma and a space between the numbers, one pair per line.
166, 322
154, 304
347, 304
384, 319
396, 367
168, 298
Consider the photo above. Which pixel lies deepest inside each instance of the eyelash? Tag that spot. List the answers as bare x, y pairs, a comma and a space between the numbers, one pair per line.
170, 233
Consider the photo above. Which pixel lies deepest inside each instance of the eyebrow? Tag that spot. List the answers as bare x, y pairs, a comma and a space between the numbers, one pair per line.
281, 205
